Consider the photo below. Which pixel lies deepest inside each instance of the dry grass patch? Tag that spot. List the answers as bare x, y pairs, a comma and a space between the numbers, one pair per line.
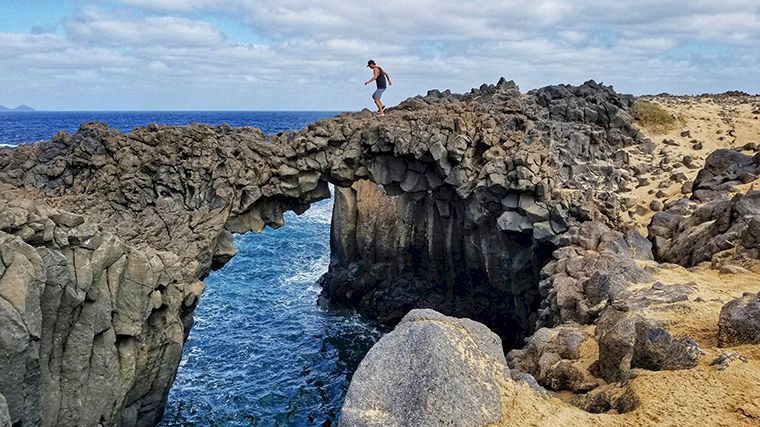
653, 117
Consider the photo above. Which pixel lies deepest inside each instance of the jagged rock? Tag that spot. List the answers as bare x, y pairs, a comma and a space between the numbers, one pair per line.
93, 327
627, 340
656, 350
431, 370
549, 357
581, 282
514, 221
740, 321
616, 335
711, 228
720, 222
720, 166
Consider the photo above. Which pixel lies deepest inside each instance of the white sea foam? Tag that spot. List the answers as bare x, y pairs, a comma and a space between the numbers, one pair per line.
309, 274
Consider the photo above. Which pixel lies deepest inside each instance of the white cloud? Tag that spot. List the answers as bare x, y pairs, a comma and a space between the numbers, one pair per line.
175, 53
172, 5
97, 26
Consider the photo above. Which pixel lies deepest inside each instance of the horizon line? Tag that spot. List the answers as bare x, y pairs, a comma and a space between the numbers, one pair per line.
178, 111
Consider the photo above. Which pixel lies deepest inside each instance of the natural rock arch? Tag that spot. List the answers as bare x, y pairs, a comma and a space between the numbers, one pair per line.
496, 169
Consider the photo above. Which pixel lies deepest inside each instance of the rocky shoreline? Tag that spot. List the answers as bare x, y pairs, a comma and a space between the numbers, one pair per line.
532, 214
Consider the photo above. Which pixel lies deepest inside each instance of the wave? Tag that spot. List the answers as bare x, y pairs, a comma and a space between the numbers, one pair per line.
319, 213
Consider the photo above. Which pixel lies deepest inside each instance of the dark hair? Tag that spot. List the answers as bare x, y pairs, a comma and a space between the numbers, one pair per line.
370, 62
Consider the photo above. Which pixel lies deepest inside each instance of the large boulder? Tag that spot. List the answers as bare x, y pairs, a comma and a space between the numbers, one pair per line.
432, 370
740, 321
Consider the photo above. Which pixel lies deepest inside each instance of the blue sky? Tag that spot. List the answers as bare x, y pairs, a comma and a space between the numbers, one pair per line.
311, 55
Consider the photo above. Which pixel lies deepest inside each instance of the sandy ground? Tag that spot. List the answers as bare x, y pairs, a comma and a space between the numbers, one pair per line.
712, 122
704, 395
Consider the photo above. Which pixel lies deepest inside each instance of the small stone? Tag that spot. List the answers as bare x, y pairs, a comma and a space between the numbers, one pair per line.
724, 359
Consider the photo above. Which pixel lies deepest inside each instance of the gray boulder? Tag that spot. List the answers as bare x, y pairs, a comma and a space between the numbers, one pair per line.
657, 350
740, 321
627, 340
432, 370
724, 166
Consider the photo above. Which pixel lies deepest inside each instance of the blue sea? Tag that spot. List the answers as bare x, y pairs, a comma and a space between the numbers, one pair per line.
262, 352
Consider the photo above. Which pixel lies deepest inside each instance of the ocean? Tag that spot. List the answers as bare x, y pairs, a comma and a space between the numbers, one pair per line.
261, 353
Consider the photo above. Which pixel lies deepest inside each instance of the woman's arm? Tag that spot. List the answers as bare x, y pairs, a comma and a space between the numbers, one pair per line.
388, 76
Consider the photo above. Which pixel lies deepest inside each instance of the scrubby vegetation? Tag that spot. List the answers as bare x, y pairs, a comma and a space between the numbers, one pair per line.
653, 117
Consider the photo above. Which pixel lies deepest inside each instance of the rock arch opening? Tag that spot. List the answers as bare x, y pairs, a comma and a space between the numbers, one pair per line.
390, 254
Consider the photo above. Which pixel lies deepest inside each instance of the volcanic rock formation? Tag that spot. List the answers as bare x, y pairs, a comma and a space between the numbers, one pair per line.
508, 208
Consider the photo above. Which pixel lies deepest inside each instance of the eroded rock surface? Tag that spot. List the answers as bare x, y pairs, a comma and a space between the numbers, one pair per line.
431, 370
5, 418
92, 328
721, 231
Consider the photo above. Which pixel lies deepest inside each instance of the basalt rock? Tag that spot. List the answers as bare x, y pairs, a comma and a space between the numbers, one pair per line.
5, 418
591, 270
719, 231
92, 327
628, 340
550, 356
740, 321
719, 224
103, 222
621, 399
466, 226
724, 169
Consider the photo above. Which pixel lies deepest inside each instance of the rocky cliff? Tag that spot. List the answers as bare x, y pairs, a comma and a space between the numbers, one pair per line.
630, 330
453, 202
466, 226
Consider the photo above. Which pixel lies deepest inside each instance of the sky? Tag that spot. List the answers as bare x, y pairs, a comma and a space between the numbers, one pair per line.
312, 55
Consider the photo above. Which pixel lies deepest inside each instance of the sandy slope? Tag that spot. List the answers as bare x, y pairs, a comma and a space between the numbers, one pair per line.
713, 123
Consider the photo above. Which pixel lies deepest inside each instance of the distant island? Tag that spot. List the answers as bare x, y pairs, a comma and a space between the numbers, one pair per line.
19, 108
